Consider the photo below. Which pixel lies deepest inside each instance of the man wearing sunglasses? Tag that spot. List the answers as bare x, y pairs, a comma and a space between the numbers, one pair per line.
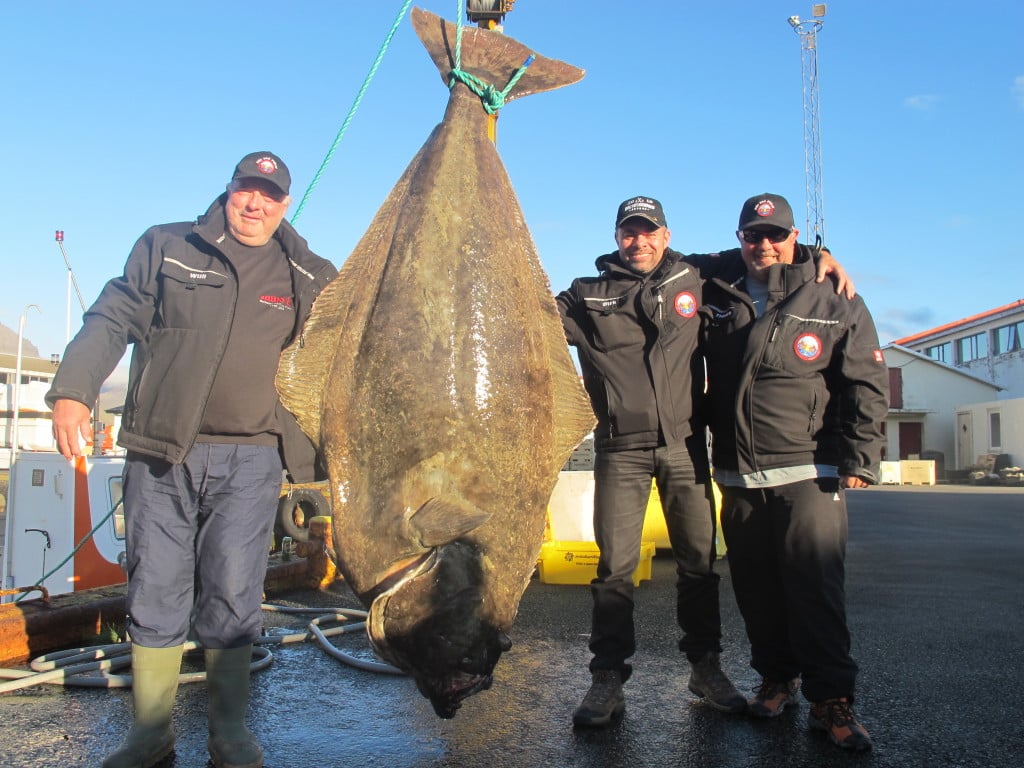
798, 389
635, 326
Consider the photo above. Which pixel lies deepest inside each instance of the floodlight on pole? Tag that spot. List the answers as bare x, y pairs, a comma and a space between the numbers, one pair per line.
59, 237
808, 33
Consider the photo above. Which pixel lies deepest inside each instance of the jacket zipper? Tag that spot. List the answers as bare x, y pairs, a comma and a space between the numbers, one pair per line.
750, 390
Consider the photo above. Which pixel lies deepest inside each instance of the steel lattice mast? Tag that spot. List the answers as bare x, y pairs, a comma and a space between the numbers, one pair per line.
808, 33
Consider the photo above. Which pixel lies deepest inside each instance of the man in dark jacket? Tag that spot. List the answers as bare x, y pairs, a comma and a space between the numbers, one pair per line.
208, 307
635, 327
798, 390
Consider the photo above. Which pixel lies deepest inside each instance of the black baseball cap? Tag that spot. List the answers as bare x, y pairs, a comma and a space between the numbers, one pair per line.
766, 210
264, 165
641, 207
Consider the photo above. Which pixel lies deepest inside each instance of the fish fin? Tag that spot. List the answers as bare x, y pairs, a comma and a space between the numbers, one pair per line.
306, 363
490, 56
335, 325
442, 519
573, 414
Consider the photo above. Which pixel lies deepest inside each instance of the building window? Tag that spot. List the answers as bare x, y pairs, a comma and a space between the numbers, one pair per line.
994, 437
941, 352
895, 388
972, 348
1008, 338
3, 378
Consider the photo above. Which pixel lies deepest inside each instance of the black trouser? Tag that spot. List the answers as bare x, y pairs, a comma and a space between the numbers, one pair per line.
622, 487
786, 549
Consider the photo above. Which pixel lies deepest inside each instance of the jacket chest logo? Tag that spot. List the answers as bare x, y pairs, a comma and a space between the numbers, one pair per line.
283, 303
807, 347
685, 304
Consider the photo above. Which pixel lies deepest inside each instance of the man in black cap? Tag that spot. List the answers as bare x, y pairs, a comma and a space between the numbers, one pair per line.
635, 326
208, 306
798, 390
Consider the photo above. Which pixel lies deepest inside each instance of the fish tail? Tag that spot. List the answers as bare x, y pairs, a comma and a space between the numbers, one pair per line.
491, 58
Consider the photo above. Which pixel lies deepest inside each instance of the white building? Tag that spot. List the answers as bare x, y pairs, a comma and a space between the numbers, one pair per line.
989, 345
924, 398
34, 419
995, 428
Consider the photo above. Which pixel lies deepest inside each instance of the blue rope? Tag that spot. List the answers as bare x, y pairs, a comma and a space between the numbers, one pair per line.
352, 110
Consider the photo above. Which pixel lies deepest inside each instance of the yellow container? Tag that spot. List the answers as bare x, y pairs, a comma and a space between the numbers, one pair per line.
575, 562
656, 531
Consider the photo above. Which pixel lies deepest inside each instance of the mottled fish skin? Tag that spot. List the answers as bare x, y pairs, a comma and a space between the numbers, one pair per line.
434, 377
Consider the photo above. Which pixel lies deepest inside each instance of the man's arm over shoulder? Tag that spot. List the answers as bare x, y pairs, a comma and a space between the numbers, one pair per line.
723, 264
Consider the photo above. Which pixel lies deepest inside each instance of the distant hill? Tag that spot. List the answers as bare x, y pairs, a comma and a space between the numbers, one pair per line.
9, 343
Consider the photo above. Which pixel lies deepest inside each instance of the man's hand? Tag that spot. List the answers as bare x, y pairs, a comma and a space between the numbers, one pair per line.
827, 265
71, 419
852, 481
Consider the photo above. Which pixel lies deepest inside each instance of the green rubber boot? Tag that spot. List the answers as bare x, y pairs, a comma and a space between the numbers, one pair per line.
231, 744
154, 685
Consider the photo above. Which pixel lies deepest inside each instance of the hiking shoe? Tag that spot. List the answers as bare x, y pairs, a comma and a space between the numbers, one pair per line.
836, 718
603, 701
708, 681
771, 698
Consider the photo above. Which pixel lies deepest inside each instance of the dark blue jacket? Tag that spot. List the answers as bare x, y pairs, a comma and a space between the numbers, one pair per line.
175, 303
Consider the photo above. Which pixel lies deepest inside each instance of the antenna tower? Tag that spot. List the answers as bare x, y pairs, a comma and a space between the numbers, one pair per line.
808, 33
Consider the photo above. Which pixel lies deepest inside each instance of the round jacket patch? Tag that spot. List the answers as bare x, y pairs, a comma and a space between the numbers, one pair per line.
807, 346
685, 304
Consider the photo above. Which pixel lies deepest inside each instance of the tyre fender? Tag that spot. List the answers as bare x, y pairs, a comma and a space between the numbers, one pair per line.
296, 508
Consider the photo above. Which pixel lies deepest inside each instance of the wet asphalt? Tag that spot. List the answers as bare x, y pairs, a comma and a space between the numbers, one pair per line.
935, 588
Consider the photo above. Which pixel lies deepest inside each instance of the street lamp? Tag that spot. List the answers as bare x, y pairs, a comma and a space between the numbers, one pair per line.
17, 381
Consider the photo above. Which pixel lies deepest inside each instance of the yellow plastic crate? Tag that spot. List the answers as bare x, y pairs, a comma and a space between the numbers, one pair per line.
575, 562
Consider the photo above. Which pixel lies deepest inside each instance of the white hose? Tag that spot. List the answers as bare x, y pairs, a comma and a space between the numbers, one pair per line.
72, 667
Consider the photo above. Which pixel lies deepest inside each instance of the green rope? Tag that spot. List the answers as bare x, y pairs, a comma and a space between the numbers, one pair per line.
492, 98
352, 110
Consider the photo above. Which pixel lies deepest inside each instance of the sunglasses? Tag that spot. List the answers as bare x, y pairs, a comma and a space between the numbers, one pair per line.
755, 236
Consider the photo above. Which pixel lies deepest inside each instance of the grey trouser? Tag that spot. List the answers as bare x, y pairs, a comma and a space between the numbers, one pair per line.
198, 537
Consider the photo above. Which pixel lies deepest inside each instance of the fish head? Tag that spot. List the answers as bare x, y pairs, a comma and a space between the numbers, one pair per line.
432, 624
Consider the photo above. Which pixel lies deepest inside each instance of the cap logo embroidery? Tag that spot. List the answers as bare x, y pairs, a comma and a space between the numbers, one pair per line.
638, 205
879, 357
807, 347
764, 208
685, 304
266, 165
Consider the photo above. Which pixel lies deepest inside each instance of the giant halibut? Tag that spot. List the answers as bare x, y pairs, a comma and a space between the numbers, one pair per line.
434, 377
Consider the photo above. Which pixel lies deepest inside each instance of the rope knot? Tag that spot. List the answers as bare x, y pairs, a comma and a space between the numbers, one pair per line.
492, 98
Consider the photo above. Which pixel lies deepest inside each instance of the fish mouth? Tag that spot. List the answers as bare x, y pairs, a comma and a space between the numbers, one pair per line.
378, 597
412, 568
448, 698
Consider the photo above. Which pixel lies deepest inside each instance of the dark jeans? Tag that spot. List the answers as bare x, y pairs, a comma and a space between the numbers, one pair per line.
622, 486
787, 549
198, 537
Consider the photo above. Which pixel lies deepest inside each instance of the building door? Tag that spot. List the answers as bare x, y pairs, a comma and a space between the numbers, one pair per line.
910, 439
964, 440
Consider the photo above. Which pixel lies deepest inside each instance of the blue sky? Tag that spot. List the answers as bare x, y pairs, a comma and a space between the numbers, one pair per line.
119, 115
